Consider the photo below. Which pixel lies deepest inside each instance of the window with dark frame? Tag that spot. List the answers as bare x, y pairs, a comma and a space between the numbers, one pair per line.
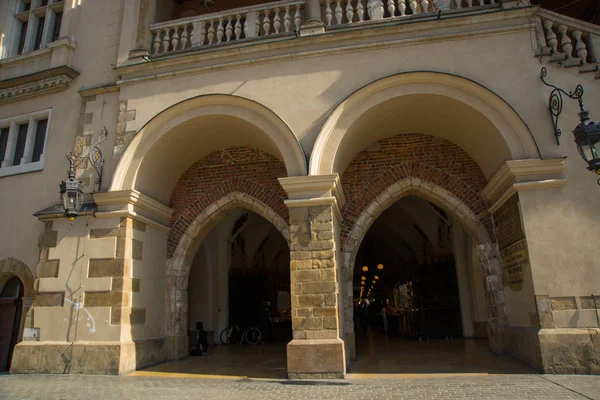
20, 146
36, 24
57, 23
23, 142
40, 139
40, 33
3, 143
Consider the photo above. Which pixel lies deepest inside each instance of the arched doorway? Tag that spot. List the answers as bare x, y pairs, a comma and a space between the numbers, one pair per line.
239, 277
11, 305
420, 303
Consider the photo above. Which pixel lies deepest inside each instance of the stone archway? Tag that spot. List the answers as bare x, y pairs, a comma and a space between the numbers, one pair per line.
487, 248
194, 128
10, 268
178, 266
452, 107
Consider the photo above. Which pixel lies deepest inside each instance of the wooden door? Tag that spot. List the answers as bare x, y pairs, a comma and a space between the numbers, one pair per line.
9, 330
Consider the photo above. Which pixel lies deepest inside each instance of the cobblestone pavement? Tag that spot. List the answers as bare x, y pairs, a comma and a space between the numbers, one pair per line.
454, 387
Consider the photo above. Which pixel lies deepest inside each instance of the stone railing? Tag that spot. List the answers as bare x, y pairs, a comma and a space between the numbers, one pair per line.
339, 12
281, 17
567, 40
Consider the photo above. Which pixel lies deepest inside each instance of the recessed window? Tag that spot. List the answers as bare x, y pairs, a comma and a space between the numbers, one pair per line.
23, 142
35, 24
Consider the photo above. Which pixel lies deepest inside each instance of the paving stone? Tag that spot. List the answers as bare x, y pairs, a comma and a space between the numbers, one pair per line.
546, 387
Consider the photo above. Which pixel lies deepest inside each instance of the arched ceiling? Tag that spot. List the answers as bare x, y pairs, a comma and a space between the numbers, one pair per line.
188, 142
429, 114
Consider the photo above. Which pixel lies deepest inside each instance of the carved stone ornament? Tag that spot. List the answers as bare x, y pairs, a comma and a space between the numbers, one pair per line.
34, 85
39, 88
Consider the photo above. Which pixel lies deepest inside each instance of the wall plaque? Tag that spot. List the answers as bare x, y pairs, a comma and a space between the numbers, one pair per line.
512, 243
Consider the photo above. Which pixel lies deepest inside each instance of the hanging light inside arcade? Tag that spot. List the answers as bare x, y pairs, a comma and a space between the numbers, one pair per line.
363, 278
365, 268
380, 266
376, 277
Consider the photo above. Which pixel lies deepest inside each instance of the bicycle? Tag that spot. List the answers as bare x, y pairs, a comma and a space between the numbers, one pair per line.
232, 334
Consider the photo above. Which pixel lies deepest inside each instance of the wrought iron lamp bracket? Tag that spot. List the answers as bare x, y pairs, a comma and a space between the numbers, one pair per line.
555, 102
93, 154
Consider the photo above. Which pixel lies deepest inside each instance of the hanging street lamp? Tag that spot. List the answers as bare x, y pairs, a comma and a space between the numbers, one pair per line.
587, 133
71, 192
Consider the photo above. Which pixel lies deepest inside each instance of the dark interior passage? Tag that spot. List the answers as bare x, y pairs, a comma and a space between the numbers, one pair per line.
240, 277
405, 279
419, 302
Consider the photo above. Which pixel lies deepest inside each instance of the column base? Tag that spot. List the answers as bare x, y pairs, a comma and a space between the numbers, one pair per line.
96, 358
177, 347
100, 358
316, 359
570, 350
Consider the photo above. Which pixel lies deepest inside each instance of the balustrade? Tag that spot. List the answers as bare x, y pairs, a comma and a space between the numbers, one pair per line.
275, 18
340, 12
563, 40
283, 17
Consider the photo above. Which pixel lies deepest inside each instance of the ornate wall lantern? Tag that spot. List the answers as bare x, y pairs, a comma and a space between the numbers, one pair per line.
71, 190
587, 133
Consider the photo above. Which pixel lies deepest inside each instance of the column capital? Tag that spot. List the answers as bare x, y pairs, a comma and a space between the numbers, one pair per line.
516, 175
314, 190
135, 205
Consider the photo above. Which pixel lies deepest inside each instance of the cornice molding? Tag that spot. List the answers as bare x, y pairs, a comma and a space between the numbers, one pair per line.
314, 190
36, 84
133, 204
311, 186
516, 175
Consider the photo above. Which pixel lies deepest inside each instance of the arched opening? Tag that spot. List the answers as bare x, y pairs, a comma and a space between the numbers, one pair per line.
418, 295
239, 277
447, 106
420, 304
194, 128
11, 306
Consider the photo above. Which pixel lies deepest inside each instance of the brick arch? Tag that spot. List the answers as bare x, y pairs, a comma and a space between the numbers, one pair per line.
435, 170
244, 170
414, 155
217, 184
178, 266
427, 190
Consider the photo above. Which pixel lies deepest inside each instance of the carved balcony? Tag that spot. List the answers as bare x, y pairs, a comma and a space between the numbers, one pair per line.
270, 21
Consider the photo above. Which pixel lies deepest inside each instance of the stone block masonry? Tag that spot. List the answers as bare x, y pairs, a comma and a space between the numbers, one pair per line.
313, 273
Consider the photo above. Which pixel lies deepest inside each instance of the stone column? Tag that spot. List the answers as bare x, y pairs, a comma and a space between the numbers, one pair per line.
313, 25
316, 350
136, 38
489, 258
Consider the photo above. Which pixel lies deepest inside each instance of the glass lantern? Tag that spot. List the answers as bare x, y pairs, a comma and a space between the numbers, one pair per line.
71, 193
587, 138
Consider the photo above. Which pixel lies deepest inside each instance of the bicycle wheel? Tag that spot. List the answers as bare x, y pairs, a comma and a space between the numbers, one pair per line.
253, 336
226, 335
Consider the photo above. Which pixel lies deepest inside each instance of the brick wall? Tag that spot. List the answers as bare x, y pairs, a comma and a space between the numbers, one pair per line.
232, 169
412, 155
